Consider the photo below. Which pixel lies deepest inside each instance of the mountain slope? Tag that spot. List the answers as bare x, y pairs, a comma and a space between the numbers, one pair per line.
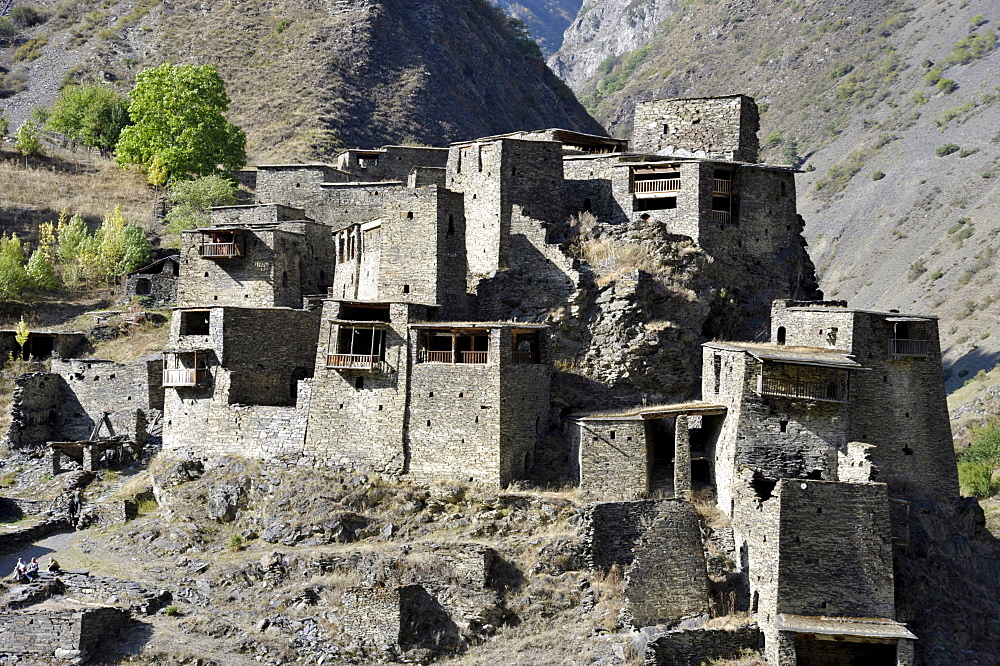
850, 89
546, 19
306, 79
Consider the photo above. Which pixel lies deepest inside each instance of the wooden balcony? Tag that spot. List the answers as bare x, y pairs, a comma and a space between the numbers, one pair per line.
180, 377
655, 187
220, 250
474, 357
524, 358
362, 362
722, 186
781, 387
902, 348
723, 216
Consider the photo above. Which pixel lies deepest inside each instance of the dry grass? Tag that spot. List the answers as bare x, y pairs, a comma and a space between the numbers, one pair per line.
613, 259
746, 658
708, 511
142, 340
76, 182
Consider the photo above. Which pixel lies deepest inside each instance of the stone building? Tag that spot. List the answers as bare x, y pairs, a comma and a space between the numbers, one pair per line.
155, 283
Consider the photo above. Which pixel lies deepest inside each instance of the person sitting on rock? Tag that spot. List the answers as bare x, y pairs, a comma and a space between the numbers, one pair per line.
52, 566
19, 568
31, 571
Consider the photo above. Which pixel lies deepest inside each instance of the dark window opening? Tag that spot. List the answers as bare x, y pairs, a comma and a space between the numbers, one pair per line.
784, 189
701, 471
406, 288
721, 204
783, 426
815, 475
526, 348
143, 287
442, 346
40, 346
717, 366
666, 129
756, 602
195, 322
409, 215
588, 207
284, 278
660, 203
322, 279
819, 509
781, 335
361, 341
611, 435
907, 451
763, 487
644, 217
451, 225
359, 383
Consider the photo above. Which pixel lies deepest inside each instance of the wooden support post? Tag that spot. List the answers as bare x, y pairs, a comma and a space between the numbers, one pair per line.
682, 458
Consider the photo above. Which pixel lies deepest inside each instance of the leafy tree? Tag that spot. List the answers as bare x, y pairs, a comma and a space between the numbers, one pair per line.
39, 115
4, 124
92, 114
22, 334
978, 463
72, 236
13, 277
41, 272
192, 200
121, 247
27, 140
180, 126
136, 252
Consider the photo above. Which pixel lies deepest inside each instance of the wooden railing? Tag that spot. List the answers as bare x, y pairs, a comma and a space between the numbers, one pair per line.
723, 216
477, 357
899, 347
656, 185
221, 250
722, 186
525, 358
808, 390
365, 362
186, 377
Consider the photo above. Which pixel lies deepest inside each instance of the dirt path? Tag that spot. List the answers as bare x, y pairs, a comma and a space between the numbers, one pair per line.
48, 547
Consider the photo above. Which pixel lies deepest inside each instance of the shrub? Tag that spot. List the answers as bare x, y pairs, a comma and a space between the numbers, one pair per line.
977, 464
27, 16
917, 268
8, 33
933, 76
977, 21
971, 47
878, 175
946, 86
172, 611
4, 124
27, 140
966, 153
936, 275
31, 49
282, 25
920, 97
192, 200
947, 149
841, 70
235, 543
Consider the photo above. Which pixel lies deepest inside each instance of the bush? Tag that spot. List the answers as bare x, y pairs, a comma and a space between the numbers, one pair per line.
947, 149
235, 543
8, 33
878, 175
282, 25
971, 47
31, 49
946, 86
937, 275
27, 140
27, 16
966, 153
192, 200
977, 464
172, 611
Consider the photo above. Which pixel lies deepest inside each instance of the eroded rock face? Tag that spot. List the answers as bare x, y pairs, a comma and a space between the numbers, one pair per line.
227, 498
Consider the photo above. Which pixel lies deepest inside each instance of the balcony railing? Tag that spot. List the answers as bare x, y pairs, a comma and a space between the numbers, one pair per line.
364, 362
806, 390
221, 250
723, 216
477, 357
656, 186
722, 186
186, 377
899, 347
525, 358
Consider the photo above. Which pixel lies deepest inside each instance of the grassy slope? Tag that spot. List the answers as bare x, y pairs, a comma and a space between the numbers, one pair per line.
846, 79
305, 81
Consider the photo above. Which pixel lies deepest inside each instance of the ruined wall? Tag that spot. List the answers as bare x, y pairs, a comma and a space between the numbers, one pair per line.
94, 386
614, 461
611, 530
718, 127
158, 287
587, 187
343, 204
35, 406
392, 163
691, 647
375, 616
41, 633
667, 579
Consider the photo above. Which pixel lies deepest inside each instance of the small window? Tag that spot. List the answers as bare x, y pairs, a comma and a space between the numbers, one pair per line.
406, 288
781, 335
409, 215
359, 383
611, 435
195, 322
284, 278
143, 287
588, 206
451, 225
666, 129
783, 425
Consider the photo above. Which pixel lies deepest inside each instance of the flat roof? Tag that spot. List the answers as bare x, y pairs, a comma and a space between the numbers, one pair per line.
862, 627
890, 316
311, 165
817, 356
367, 183
646, 412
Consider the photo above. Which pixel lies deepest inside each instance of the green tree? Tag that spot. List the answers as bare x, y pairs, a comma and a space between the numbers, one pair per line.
121, 247
4, 124
13, 277
92, 114
978, 463
72, 237
41, 272
180, 126
27, 140
192, 200
21, 334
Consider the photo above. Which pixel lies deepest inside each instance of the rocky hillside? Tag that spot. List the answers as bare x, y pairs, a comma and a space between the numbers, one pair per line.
546, 19
306, 79
889, 107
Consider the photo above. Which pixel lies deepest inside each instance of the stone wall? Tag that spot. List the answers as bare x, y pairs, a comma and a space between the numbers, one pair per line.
296, 185
667, 580
63, 634
390, 162
35, 406
43, 344
692, 647
94, 386
715, 127
611, 530
375, 616
157, 283
613, 455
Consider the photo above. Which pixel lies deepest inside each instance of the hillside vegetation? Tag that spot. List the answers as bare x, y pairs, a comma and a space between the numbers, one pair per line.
889, 107
306, 80
546, 19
